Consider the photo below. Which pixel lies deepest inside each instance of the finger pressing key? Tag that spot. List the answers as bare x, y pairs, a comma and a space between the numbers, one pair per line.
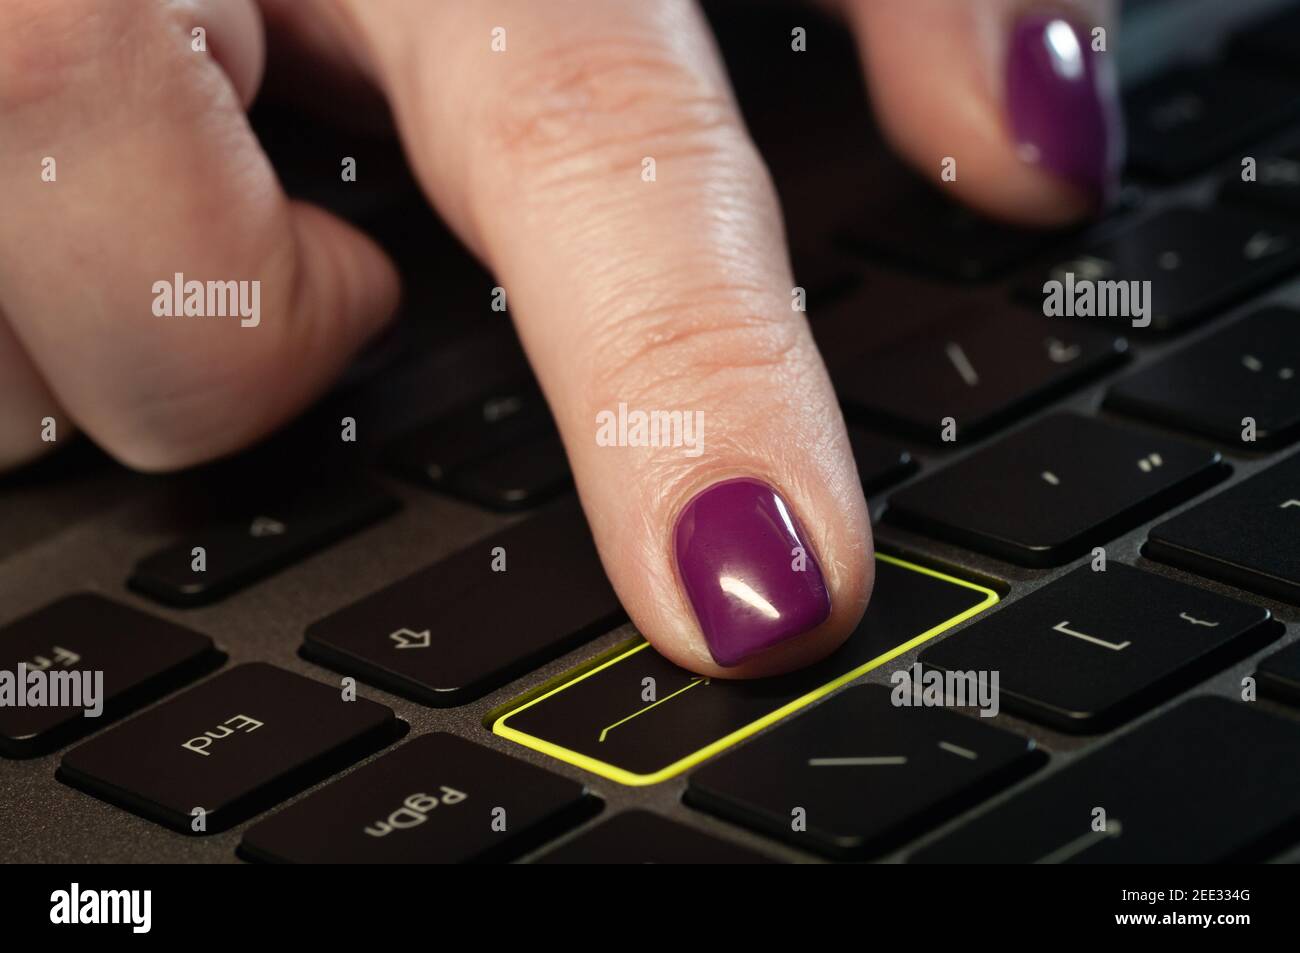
593, 155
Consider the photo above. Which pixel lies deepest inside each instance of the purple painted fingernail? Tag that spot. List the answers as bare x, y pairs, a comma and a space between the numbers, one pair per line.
747, 569
1063, 101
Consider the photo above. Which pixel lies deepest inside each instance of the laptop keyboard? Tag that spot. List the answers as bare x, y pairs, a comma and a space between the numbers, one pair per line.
1048, 493
142, 657
865, 773
198, 762
451, 632
1198, 260
1190, 118
981, 370
227, 557
1092, 649
1102, 514
409, 806
1245, 536
501, 451
1199, 784
1243, 372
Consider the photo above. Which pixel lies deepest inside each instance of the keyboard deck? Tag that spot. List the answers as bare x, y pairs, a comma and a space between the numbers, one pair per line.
514, 697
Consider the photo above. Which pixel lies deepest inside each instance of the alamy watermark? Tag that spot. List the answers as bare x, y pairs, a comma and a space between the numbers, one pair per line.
133, 908
209, 299
651, 428
38, 687
1086, 297
931, 688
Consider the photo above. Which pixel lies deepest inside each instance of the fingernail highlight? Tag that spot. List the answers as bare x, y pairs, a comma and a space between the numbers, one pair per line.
747, 569
1063, 103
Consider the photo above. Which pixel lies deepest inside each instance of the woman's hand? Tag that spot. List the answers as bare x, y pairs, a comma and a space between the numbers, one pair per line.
668, 295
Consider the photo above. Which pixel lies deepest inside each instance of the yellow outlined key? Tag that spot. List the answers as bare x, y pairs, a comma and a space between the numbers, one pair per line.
638, 719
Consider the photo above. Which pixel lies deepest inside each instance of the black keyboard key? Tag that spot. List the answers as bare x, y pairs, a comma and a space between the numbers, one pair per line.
1047, 493
466, 440
865, 773
914, 225
1206, 782
1199, 261
138, 658
519, 477
1248, 535
1094, 648
824, 273
233, 746
638, 719
1279, 674
880, 463
1249, 369
980, 370
639, 837
237, 554
1190, 118
436, 800
457, 629
1276, 183
1272, 44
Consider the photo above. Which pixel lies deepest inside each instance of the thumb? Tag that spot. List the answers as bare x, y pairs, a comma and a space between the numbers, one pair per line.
165, 196
1024, 101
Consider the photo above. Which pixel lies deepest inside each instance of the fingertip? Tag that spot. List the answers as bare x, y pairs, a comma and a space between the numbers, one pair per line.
747, 569
1062, 102
1014, 112
766, 575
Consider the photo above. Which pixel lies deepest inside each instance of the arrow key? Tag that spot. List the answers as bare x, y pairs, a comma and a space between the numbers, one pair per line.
463, 626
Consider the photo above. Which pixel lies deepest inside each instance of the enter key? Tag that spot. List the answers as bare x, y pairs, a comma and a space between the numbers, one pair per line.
639, 719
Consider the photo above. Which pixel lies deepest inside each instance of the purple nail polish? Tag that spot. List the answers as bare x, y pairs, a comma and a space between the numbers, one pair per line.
748, 570
1063, 103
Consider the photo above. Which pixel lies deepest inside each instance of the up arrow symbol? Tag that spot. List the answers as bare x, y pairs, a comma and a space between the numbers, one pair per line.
406, 639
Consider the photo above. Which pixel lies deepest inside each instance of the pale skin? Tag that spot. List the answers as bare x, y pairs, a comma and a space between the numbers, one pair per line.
668, 295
